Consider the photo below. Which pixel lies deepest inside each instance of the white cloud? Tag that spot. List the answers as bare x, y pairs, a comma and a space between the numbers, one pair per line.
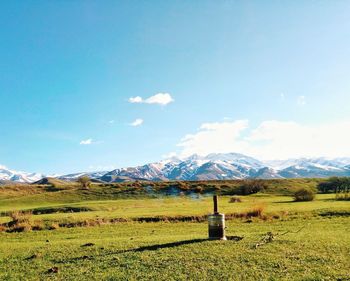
136, 99
137, 122
169, 155
160, 98
215, 137
101, 167
86, 142
301, 100
270, 140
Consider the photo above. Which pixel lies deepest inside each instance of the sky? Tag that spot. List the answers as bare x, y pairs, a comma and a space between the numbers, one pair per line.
95, 85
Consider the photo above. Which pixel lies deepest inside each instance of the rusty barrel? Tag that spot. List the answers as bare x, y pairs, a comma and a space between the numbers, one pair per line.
216, 226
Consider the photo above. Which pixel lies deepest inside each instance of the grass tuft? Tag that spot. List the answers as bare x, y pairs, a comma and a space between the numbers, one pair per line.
20, 222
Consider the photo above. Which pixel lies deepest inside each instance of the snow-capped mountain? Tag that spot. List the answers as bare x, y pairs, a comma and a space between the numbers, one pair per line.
231, 166
321, 161
195, 167
75, 176
215, 166
316, 167
15, 176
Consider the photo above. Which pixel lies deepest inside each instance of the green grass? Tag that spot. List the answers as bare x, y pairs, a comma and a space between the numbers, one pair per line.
320, 251
179, 206
174, 251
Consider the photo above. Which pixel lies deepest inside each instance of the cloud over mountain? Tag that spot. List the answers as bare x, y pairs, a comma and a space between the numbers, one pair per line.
270, 139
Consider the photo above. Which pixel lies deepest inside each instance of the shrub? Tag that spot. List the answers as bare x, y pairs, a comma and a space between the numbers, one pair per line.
198, 189
303, 195
2, 228
256, 211
343, 196
38, 225
21, 227
19, 217
85, 182
183, 186
252, 186
334, 185
136, 184
20, 221
235, 199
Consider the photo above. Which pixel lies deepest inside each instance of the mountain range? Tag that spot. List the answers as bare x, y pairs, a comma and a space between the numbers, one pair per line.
8, 176
215, 166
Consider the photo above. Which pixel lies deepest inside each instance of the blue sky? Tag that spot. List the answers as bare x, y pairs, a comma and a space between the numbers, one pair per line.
265, 78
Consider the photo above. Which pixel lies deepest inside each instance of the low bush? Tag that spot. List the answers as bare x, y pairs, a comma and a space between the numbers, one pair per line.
334, 185
85, 182
2, 228
20, 222
343, 196
256, 211
21, 227
303, 195
183, 186
54, 226
235, 199
252, 186
19, 217
38, 225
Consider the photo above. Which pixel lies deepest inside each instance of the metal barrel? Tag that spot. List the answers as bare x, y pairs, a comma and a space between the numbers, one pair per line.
216, 226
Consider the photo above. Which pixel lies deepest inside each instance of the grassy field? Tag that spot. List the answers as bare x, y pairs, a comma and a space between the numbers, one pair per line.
179, 206
309, 240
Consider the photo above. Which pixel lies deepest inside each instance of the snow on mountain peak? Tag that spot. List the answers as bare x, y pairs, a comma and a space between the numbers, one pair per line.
22, 177
210, 167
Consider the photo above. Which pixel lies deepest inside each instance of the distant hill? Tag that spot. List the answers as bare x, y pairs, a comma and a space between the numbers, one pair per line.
50, 181
6, 182
75, 176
